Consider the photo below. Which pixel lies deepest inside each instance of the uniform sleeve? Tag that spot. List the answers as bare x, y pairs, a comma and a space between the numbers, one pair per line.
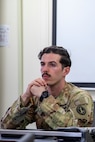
82, 105
56, 116
18, 116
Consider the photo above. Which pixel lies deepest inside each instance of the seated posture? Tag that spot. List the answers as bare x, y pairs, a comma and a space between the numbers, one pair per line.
50, 100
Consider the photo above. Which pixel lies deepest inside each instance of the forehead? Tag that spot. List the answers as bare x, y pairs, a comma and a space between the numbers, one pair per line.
48, 57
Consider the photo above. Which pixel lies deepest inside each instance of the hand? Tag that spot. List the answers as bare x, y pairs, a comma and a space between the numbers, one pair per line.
37, 90
38, 86
37, 82
26, 96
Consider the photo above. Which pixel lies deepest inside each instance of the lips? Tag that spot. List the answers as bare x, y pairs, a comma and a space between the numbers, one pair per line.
45, 76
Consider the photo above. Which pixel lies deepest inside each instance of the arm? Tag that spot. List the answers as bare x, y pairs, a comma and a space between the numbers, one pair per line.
21, 113
18, 116
56, 116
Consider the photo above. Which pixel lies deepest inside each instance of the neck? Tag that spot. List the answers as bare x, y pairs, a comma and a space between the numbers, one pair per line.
55, 89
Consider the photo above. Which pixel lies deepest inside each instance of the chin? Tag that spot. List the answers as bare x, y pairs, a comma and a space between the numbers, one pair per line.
50, 84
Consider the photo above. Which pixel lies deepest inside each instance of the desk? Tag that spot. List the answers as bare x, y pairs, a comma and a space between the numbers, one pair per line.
60, 135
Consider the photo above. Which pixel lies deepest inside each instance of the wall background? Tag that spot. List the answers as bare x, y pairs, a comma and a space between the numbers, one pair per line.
76, 32
30, 30
9, 55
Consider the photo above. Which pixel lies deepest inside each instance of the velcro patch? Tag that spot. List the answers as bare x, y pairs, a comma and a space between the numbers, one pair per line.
81, 110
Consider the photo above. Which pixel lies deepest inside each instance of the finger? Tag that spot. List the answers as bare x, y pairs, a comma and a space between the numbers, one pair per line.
40, 81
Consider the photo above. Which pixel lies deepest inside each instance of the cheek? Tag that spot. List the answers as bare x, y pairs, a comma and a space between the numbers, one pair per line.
57, 73
57, 77
41, 69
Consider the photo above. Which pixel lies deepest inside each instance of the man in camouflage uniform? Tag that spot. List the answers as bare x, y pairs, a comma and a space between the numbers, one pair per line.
50, 101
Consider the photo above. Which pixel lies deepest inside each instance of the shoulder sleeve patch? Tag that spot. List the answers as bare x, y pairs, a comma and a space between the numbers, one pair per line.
81, 110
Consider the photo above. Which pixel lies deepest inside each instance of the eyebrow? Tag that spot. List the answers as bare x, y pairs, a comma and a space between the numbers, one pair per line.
48, 62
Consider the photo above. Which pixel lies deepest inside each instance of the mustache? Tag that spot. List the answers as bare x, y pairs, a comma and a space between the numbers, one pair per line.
46, 74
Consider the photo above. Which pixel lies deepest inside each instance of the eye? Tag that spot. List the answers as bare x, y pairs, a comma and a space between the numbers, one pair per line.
52, 64
42, 63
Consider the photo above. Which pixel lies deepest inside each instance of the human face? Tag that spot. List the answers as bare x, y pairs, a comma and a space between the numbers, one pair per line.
51, 68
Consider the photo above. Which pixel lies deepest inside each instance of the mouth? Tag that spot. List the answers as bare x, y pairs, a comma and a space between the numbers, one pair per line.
45, 76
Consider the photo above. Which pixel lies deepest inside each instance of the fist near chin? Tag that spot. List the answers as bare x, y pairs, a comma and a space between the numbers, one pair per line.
37, 90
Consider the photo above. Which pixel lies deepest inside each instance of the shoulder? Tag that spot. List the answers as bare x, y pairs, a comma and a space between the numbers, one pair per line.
78, 93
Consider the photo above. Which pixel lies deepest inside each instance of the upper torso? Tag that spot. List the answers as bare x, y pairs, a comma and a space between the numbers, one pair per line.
72, 107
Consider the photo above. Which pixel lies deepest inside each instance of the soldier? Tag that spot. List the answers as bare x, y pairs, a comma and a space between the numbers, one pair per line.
51, 101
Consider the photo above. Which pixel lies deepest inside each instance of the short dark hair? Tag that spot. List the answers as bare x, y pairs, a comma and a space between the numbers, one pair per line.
65, 57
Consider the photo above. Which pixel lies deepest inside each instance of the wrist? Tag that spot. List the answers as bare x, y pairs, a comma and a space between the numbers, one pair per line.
44, 95
25, 97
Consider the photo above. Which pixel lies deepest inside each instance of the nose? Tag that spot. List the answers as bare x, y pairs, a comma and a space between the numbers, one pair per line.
44, 68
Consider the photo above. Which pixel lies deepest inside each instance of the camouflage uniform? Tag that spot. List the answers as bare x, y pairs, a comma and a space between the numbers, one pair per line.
72, 107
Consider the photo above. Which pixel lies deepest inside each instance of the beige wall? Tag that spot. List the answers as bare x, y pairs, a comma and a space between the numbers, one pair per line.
30, 30
9, 55
37, 19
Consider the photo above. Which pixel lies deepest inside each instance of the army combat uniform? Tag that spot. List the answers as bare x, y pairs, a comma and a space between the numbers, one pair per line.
72, 107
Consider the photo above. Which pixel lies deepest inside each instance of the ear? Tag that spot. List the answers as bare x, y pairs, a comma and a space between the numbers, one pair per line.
66, 70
